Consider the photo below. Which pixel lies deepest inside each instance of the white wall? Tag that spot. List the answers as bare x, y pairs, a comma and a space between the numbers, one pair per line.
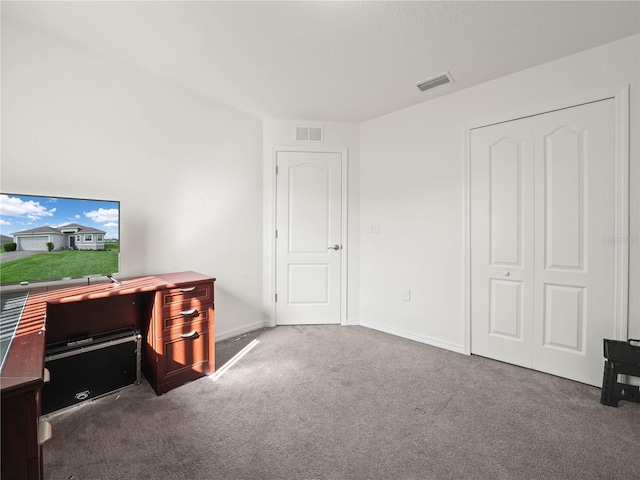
337, 135
185, 167
412, 182
187, 170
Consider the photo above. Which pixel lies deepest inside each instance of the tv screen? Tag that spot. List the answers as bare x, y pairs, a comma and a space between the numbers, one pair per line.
56, 238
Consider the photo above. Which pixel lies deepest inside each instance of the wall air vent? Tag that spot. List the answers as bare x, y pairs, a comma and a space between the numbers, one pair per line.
309, 134
435, 81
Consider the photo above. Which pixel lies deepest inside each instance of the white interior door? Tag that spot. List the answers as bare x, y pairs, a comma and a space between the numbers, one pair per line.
309, 237
542, 268
574, 262
502, 242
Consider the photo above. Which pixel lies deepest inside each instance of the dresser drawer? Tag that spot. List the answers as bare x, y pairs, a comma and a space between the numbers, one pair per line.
185, 357
187, 297
195, 318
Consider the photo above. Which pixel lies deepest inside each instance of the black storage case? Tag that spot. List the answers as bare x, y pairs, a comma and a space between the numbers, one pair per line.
85, 369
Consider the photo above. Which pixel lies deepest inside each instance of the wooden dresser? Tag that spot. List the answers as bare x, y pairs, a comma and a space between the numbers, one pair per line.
174, 312
180, 340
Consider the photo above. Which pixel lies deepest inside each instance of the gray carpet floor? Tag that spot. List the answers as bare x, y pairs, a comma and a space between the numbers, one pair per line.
331, 402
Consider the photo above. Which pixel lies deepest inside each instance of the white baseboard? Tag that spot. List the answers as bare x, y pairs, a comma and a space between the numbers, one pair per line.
434, 342
226, 334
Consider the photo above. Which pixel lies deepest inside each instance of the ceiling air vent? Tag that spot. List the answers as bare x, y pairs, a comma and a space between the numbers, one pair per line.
435, 81
309, 134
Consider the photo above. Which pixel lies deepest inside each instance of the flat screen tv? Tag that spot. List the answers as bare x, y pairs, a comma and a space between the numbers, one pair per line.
47, 238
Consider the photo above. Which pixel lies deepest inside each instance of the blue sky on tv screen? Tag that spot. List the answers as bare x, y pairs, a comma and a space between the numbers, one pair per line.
24, 212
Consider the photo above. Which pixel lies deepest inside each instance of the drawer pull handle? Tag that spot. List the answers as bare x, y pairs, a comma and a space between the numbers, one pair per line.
189, 313
191, 335
187, 289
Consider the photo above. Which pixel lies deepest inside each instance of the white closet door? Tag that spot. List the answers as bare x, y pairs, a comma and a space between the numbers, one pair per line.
542, 257
574, 261
502, 242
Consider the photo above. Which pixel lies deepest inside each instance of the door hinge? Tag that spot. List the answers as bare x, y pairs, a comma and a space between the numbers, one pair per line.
276, 169
276, 233
276, 297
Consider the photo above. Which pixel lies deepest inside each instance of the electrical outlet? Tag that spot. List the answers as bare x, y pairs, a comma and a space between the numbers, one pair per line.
406, 295
374, 228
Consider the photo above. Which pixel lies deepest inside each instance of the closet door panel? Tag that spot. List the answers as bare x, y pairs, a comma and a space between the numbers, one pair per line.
563, 154
501, 242
574, 217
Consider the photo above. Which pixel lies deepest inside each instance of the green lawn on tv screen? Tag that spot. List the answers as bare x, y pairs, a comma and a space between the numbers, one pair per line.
64, 264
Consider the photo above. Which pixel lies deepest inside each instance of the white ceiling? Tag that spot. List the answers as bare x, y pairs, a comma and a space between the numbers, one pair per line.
330, 60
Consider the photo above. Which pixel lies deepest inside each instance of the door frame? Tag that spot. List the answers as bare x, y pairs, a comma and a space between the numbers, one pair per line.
621, 193
269, 260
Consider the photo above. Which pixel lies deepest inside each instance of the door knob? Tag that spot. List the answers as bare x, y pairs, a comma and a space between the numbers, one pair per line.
335, 247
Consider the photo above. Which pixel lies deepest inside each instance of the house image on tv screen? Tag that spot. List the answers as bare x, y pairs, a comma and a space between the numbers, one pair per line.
73, 236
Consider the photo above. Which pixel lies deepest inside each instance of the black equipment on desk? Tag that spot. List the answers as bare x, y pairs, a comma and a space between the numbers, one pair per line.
623, 358
88, 368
